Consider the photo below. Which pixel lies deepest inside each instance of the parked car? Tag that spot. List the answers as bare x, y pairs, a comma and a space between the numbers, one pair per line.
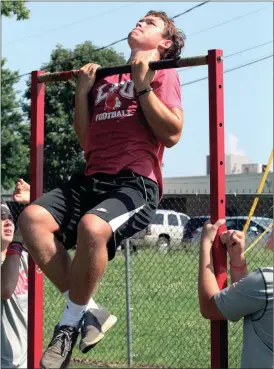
192, 226
257, 226
165, 231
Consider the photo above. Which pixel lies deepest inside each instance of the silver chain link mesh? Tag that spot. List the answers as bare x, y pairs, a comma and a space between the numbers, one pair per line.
167, 328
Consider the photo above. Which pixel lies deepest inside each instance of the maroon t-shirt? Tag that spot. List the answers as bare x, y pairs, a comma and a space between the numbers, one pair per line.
119, 138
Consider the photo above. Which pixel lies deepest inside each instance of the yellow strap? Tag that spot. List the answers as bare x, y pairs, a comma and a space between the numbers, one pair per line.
255, 202
259, 238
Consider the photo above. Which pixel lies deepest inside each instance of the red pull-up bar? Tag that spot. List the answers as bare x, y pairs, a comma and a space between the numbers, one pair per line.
214, 60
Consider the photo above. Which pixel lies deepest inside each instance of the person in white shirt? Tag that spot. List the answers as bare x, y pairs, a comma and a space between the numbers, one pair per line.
14, 295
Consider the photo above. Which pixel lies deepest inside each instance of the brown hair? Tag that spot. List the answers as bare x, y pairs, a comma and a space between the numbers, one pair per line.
170, 33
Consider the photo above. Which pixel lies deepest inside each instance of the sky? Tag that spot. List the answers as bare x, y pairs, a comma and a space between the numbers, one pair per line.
230, 26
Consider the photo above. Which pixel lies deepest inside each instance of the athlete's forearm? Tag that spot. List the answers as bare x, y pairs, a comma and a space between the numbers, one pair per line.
166, 125
207, 283
9, 275
81, 117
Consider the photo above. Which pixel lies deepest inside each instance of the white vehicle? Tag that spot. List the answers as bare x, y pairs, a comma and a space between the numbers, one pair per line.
165, 231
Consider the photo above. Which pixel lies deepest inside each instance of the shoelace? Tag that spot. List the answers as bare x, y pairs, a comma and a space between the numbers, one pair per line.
61, 343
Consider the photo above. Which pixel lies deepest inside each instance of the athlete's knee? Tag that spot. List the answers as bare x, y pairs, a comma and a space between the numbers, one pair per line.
35, 216
93, 230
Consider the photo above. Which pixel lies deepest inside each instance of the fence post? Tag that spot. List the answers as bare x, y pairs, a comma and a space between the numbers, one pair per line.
128, 304
35, 279
219, 332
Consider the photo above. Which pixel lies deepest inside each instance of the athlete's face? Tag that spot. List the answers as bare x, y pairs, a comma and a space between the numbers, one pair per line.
148, 34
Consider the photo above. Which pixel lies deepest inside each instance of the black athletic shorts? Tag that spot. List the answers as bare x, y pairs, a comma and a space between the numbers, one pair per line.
127, 201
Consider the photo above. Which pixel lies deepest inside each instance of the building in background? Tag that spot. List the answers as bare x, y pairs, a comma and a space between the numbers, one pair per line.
253, 168
243, 183
238, 164
233, 163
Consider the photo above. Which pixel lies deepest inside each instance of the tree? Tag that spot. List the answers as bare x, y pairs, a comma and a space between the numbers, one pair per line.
15, 8
14, 132
62, 153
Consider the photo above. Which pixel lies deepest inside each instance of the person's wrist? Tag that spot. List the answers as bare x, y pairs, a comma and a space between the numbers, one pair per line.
237, 260
207, 240
144, 92
206, 246
26, 200
15, 248
81, 93
142, 86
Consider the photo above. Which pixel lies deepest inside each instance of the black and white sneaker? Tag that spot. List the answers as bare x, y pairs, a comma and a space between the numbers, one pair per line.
59, 351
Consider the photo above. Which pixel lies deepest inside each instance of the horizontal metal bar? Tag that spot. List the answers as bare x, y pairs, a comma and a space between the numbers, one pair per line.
120, 69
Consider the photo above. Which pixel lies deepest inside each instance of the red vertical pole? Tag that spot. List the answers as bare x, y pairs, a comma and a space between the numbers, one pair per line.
35, 303
219, 333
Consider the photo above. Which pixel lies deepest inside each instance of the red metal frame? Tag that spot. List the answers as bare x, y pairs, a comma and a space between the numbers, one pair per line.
219, 336
35, 279
219, 333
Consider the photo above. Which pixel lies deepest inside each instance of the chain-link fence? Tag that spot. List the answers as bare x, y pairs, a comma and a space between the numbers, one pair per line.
167, 328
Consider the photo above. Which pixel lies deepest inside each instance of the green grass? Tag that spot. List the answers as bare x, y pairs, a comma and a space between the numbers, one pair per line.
167, 328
